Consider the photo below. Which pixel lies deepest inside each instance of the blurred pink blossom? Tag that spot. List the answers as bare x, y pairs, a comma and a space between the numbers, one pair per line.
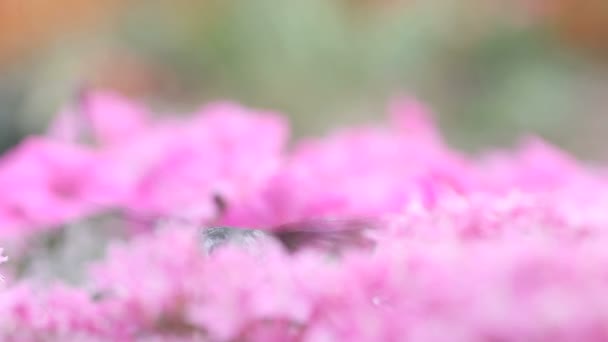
506, 246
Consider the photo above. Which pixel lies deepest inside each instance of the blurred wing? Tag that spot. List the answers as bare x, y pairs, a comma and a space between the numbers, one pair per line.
331, 234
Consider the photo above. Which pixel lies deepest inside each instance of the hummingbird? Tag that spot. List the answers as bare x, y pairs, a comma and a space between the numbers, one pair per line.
326, 234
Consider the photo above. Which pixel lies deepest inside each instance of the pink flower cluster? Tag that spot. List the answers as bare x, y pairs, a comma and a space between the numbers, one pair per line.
507, 246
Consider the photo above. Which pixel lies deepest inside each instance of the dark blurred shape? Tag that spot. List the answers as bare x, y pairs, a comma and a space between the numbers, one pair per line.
329, 235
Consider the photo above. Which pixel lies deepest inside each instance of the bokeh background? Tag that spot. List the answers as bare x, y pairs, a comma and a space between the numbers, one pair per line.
493, 70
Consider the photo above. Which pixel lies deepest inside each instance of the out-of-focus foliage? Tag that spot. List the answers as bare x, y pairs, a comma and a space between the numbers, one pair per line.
495, 69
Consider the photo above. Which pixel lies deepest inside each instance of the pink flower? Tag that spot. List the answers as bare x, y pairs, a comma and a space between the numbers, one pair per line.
361, 171
56, 313
508, 246
46, 183
103, 116
225, 150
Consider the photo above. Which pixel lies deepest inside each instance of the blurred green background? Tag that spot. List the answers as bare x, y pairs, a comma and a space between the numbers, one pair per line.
493, 70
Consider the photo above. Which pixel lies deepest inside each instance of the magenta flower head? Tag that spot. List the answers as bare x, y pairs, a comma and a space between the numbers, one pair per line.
371, 233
